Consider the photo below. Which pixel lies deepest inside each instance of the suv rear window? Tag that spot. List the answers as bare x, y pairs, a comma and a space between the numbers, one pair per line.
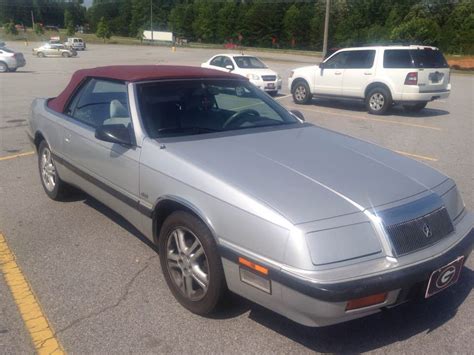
413, 58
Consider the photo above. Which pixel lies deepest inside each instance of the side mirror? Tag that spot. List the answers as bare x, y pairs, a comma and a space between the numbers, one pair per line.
298, 115
321, 65
114, 133
230, 67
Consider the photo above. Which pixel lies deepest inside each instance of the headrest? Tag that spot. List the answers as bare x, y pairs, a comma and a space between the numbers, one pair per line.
117, 109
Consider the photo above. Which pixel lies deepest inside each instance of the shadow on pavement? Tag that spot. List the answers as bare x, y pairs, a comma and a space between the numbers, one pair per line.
373, 332
359, 106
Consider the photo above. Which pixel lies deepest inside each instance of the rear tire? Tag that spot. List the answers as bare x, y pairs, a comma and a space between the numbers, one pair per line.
301, 93
55, 188
65, 55
415, 107
3, 67
378, 100
12, 69
191, 263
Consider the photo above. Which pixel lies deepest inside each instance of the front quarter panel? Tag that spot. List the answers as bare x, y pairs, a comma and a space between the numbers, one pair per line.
235, 219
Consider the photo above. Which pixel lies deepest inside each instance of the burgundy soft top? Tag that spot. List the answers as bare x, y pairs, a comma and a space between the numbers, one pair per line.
134, 73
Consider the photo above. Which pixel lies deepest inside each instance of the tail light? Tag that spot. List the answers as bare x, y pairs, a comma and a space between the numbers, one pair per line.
411, 79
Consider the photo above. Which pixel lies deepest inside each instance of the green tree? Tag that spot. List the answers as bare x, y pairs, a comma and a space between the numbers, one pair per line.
103, 30
291, 24
417, 31
69, 23
38, 29
10, 28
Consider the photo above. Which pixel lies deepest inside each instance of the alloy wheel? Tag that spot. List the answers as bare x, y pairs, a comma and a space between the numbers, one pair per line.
377, 101
187, 263
300, 93
48, 171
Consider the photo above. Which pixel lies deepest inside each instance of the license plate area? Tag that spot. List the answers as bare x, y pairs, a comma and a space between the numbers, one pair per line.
444, 277
436, 77
270, 86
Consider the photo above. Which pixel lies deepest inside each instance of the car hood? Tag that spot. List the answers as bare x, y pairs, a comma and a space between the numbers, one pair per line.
306, 173
258, 71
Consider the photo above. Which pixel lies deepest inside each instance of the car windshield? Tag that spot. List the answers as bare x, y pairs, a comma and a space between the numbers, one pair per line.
245, 62
189, 107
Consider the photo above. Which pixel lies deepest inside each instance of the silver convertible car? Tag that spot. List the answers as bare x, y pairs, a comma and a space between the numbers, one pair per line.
240, 194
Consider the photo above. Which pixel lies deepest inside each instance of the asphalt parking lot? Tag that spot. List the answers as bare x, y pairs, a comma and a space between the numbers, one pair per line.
98, 280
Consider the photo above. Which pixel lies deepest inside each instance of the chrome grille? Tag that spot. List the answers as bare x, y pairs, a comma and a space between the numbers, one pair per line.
269, 77
412, 235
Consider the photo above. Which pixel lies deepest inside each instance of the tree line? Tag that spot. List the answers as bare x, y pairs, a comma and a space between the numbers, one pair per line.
448, 24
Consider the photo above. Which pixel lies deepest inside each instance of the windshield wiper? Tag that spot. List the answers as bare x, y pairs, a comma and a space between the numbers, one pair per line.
194, 130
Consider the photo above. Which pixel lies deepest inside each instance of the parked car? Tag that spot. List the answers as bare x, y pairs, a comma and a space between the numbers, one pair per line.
10, 60
248, 66
75, 43
239, 193
54, 50
381, 76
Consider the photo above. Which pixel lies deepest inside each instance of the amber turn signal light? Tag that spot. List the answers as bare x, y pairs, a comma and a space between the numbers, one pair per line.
366, 301
253, 266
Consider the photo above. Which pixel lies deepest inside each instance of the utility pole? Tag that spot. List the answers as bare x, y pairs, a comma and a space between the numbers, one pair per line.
151, 20
326, 28
32, 20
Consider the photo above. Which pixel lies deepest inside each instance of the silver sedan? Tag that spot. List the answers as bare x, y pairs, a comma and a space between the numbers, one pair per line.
241, 194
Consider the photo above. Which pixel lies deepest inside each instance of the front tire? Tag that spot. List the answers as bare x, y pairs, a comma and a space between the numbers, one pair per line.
65, 55
40, 55
301, 93
378, 100
54, 187
190, 263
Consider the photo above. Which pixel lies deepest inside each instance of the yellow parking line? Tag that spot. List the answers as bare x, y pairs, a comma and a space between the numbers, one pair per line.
357, 117
424, 157
35, 321
8, 157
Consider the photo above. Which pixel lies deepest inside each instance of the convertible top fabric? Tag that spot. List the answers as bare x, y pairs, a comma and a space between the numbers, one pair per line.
134, 73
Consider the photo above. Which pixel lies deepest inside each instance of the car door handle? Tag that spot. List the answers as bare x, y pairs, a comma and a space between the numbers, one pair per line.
67, 140
338, 73
367, 73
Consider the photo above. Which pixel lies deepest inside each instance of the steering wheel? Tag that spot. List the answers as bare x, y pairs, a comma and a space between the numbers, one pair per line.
235, 120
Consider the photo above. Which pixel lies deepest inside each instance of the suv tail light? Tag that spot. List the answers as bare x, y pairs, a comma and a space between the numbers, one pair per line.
411, 79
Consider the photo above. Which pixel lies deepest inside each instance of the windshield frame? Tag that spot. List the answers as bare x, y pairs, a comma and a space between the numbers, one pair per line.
288, 120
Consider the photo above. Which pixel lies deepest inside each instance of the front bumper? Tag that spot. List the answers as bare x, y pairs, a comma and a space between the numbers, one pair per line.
313, 303
274, 85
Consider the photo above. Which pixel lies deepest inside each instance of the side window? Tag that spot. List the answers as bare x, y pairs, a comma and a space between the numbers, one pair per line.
338, 61
101, 102
217, 61
360, 59
227, 61
397, 58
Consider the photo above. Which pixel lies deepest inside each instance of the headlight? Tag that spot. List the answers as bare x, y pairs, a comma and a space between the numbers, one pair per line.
454, 203
253, 76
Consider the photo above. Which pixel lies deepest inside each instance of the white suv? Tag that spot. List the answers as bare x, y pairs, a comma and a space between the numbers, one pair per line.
382, 76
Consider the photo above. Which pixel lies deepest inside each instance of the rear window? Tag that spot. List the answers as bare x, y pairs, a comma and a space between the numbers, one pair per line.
413, 58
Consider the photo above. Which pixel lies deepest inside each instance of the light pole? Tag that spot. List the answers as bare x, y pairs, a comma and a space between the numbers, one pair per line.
326, 27
151, 20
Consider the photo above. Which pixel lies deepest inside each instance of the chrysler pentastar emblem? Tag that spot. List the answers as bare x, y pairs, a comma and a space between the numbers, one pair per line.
426, 230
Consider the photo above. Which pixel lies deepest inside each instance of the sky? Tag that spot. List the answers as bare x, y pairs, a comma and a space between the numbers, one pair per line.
88, 3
